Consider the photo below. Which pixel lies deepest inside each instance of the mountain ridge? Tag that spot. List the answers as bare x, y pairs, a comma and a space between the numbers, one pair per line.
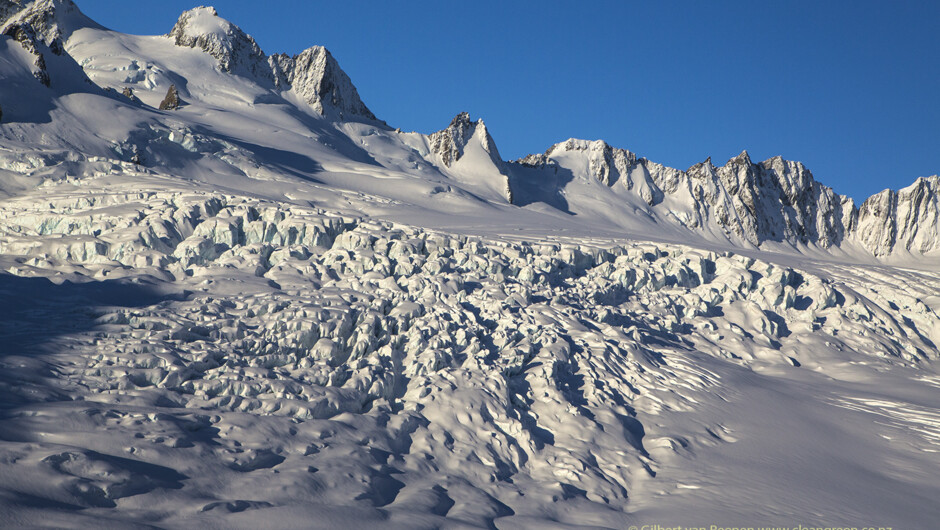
752, 203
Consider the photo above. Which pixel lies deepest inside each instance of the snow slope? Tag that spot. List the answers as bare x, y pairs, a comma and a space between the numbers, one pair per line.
268, 308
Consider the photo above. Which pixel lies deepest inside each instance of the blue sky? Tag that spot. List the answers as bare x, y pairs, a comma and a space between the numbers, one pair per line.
851, 89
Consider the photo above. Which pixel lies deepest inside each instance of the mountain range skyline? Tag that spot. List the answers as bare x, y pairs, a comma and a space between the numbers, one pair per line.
674, 85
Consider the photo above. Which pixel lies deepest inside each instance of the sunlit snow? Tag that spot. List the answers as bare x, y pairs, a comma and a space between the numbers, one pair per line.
270, 309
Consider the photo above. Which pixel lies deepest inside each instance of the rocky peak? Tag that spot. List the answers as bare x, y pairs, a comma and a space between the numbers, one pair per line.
450, 142
704, 172
907, 219
42, 18
464, 135
51, 21
607, 164
236, 51
743, 159
706, 166
786, 203
315, 75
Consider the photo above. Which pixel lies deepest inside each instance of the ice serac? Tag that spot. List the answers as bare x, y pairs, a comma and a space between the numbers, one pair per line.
236, 51
908, 219
463, 135
315, 75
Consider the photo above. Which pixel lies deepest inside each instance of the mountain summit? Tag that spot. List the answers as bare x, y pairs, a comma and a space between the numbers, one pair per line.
313, 74
236, 51
317, 78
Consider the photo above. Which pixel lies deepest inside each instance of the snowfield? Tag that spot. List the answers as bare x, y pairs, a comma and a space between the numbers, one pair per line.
268, 309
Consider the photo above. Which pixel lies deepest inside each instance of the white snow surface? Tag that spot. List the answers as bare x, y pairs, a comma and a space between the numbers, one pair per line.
270, 309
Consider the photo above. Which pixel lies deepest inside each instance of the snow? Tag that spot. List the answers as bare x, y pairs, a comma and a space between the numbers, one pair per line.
289, 314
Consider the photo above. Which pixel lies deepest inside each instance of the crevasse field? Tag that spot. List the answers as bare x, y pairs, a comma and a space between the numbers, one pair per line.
266, 308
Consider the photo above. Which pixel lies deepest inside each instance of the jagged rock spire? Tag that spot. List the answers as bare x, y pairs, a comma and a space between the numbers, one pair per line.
236, 51
315, 75
172, 99
451, 143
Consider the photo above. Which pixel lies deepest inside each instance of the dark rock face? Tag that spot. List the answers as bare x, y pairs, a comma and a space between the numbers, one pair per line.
26, 36
449, 143
315, 75
128, 92
1, 114
172, 99
236, 51
904, 220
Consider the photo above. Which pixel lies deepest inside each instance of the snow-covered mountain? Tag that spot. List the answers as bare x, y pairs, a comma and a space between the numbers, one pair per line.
775, 200
742, 202
254, 304
904, 220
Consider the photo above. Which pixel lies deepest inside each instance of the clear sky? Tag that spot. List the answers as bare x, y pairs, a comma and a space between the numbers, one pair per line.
851, 89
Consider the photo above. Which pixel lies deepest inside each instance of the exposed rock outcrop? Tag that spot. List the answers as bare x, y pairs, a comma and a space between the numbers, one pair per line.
128, 92
172, 99
451, 143
313, 74
776, 200
236, 51
908, 219
316, 77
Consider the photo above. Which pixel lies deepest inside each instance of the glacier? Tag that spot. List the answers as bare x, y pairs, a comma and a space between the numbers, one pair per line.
266, 307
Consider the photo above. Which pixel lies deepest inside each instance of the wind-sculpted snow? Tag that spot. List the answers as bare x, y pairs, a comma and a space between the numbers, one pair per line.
415, 371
